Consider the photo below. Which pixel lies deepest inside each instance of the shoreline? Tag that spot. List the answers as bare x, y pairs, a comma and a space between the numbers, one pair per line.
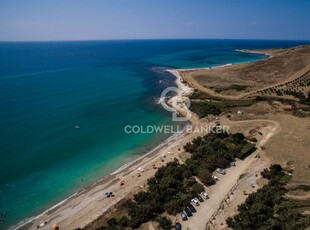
50, 215
108, 178
26, 221
255, 52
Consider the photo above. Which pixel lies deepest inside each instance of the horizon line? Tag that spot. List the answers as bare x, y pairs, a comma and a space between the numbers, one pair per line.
141, 39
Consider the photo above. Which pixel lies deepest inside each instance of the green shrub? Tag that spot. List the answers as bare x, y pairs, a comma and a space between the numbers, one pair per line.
164, 223
124, 221
203, 109
112, 222
198, 188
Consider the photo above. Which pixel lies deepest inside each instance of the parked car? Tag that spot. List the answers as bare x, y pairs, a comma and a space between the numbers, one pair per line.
183, 216
188, 212
195, 202
205, 195
233, 163
199, 198
215, 178
221, 171
108, 194
178, 226
191, 207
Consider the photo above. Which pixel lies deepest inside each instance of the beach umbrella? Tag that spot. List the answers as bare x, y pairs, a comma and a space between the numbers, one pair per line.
55, 226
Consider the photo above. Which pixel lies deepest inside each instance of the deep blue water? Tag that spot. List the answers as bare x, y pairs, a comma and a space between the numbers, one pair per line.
47, 88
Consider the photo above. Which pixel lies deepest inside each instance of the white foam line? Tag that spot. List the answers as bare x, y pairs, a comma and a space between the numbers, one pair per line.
38, 73
172, 137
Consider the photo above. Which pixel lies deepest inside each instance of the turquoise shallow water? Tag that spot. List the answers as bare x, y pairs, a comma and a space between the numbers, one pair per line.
47, 88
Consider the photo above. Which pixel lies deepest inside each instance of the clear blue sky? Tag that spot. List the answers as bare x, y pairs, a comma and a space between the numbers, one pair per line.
131, 19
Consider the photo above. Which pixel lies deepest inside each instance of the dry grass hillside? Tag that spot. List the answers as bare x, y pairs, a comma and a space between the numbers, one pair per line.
283, 65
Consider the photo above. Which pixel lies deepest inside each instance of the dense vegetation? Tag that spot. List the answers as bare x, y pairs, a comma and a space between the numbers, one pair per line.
303, 99
268, 209
206, 107
174, 185
200, 95
169, 190
165, 223
232, 87
215, 150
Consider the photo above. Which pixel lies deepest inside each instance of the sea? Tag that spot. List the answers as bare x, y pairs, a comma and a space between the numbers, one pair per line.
64, 107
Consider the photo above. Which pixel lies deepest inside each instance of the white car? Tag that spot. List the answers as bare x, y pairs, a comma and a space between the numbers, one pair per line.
195, 202
221, 171
205, 195
215, 178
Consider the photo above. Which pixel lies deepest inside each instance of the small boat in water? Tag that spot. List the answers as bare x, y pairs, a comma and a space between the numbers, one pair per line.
77, 127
